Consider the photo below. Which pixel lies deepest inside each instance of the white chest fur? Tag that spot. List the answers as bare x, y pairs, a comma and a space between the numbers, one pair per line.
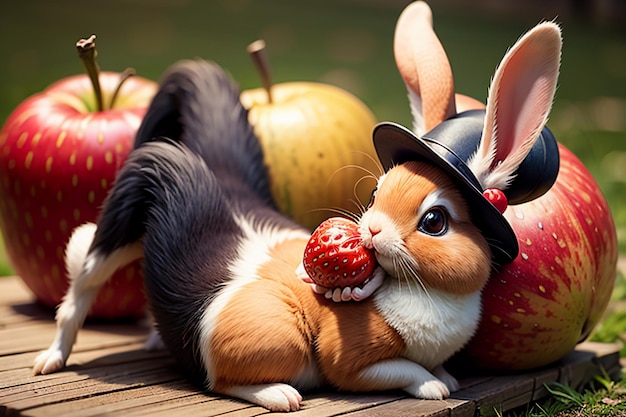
433, 325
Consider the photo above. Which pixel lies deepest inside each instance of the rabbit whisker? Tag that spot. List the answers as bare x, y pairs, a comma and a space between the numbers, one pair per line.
359, 203
338, 210
493, 246
376, 162
407, 270
369, 173
359, 206
353, 166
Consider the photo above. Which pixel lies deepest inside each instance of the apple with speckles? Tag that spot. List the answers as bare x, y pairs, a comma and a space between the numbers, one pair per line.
314, 134
59, 153
536, 309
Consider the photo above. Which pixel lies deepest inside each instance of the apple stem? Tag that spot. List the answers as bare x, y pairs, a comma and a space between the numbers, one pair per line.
87, 53
258, 53
128, 72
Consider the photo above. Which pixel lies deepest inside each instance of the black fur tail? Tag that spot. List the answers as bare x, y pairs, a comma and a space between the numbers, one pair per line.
198, 104
181, 197
167, 195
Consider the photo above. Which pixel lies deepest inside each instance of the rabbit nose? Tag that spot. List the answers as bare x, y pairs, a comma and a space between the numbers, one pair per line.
374, 230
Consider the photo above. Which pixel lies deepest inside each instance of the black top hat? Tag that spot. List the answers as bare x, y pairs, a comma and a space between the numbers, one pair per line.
449, 146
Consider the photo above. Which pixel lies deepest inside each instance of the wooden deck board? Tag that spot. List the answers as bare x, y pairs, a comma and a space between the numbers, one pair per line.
110, 374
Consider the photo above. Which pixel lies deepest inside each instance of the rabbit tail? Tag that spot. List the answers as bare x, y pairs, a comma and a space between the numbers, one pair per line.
198, 105
183, 199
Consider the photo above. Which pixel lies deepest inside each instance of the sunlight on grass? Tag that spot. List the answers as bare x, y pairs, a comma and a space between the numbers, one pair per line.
603, 397
5, 266
613, 327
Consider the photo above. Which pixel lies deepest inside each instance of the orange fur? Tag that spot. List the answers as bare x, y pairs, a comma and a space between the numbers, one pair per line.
276, 326
457, 265
353, 336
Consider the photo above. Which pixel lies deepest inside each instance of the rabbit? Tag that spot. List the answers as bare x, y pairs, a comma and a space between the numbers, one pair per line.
514, 152
221, 263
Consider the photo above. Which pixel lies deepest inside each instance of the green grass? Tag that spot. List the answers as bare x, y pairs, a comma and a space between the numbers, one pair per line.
5, 266
603, 397
613, 327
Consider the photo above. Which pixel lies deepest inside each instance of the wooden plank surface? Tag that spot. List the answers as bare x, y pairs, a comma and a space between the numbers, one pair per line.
110, 374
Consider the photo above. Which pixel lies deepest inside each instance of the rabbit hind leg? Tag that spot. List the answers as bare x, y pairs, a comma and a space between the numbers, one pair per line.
85, 284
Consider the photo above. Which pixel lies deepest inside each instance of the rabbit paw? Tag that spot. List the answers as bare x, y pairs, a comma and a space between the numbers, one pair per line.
347, 293
274, 397
356, 293
154, 342
304, 277
302, 274
48, 361
446, 378
432, 389
371, 285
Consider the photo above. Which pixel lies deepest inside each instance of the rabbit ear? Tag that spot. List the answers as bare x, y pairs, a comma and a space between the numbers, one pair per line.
520, 99
424, 67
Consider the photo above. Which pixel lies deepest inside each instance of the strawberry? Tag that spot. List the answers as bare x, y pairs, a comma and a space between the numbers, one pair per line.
335, 256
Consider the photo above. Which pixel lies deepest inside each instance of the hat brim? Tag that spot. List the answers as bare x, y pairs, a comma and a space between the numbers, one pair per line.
395, 144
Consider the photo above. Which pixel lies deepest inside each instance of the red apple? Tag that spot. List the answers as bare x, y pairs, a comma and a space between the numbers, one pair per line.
59, 154
540, 306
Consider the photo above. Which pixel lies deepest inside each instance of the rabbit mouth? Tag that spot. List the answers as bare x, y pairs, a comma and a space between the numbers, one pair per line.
386, 263
398, 263
390, 252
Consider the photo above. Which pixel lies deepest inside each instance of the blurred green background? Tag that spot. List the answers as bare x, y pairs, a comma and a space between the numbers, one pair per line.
343, 42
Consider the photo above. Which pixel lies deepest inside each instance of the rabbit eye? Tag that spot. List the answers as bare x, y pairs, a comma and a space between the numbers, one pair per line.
372, 198
434, 222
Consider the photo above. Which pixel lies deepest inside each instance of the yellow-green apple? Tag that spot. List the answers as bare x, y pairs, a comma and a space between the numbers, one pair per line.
59, 153
536, 309
317, 143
